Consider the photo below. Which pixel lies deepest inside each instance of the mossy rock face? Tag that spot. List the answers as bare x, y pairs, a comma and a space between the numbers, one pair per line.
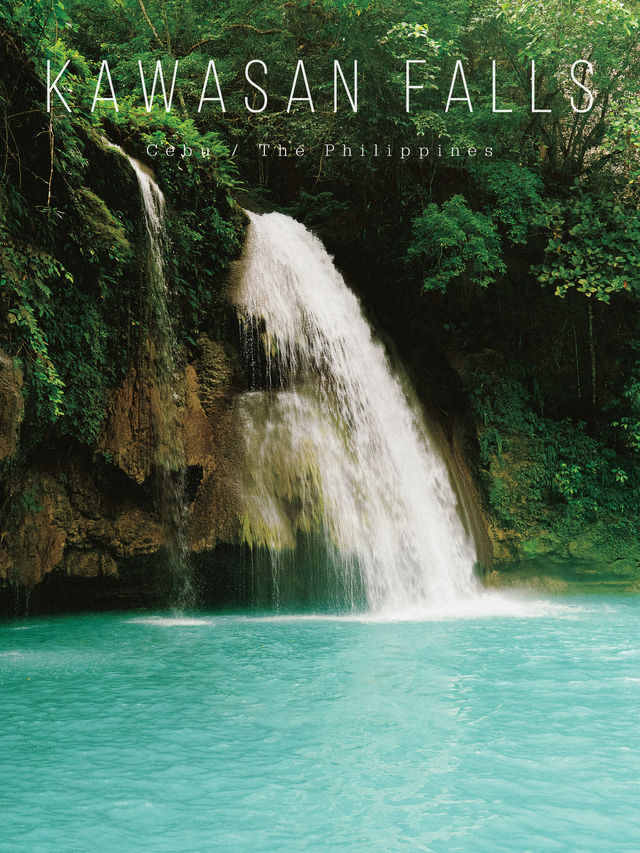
582, 565
588, 558
100, 228
558, 558
557, 575
528, 576
547, 538
219, 372
545, 543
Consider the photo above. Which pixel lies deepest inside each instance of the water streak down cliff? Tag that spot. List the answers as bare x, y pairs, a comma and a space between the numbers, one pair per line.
334, 447
160, 356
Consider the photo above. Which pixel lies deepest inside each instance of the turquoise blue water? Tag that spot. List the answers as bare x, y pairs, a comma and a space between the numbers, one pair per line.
517, 731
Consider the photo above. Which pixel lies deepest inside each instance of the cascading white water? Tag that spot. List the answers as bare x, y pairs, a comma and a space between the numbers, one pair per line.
334, 447
169, 454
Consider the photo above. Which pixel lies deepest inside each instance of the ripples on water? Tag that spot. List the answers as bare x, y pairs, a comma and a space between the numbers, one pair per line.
248, 733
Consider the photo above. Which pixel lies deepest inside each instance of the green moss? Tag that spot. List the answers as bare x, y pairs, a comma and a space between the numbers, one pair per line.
553, 492
98, 229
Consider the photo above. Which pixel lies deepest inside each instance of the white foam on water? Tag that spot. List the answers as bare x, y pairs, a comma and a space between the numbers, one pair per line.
170, 621
487, 605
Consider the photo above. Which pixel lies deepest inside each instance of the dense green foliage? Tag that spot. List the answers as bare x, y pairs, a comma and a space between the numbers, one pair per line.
527, 259
546, 473
71, 289
453, 241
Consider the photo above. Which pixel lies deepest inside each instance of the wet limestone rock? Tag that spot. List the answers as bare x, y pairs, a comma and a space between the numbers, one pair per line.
84, 515
127, 435
217, 373
35, 537
199, 433
61, 521
89, 564
11, 406
209, 438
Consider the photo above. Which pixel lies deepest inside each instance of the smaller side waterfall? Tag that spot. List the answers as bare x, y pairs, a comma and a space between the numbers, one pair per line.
161, 355
335, 451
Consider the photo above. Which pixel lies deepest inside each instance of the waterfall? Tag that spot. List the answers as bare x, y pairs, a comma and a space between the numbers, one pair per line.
161, 347
335, 450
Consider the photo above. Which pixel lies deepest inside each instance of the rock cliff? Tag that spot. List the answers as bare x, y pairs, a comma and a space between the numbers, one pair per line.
83, 515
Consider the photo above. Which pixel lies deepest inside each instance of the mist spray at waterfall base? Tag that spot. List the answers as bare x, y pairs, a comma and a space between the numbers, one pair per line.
344, 491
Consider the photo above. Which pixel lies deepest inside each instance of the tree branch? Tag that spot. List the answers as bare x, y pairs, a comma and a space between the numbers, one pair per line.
148, 20
233, 27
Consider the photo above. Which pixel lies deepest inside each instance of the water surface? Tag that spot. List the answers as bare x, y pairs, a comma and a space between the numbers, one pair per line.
513, 731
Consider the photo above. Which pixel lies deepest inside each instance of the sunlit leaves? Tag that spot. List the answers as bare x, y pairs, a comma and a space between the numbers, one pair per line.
593, 248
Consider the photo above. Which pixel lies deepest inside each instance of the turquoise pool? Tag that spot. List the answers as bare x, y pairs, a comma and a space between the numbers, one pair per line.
514, 730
